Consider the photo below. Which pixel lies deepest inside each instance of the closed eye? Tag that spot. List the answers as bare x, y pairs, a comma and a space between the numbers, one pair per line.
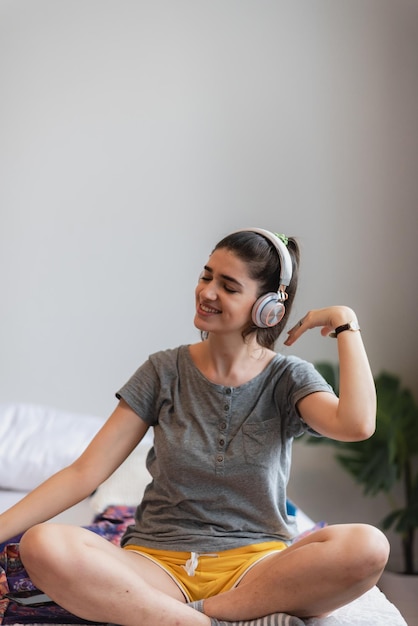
208, 279
207, 276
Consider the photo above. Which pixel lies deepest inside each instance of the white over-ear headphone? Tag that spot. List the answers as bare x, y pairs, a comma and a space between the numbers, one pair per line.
269, 308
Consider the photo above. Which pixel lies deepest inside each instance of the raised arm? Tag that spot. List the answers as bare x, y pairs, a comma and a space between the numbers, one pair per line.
109, 448
352, 416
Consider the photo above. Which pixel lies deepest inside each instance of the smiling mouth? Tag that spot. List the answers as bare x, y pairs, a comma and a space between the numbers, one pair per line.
208, 309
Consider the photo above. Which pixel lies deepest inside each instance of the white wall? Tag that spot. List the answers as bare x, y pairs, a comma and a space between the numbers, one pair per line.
134, 134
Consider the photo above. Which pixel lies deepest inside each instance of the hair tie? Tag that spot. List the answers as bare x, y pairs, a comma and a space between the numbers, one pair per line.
283, 238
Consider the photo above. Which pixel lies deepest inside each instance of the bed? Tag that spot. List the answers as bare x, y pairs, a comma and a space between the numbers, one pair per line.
37, 441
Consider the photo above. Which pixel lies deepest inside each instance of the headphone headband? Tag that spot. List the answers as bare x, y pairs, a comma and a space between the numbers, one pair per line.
282, 251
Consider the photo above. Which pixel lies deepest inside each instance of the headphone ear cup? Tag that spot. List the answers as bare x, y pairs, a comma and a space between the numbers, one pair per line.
268, 310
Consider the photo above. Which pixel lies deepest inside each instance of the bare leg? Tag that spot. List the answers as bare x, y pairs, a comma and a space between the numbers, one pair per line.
98, 581
316, 575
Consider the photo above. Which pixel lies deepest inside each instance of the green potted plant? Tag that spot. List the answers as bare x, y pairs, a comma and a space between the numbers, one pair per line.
388, 461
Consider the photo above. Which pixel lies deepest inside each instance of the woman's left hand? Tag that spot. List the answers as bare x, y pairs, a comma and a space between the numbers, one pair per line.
328, 319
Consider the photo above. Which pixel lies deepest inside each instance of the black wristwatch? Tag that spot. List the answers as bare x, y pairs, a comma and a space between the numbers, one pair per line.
353, 326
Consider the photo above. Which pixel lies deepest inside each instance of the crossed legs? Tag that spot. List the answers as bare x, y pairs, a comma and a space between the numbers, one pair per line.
98, 581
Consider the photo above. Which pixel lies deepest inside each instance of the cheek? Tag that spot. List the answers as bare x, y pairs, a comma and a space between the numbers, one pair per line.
197, 292
245, 309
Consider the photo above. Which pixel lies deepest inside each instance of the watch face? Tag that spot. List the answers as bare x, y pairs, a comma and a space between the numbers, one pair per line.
354, 326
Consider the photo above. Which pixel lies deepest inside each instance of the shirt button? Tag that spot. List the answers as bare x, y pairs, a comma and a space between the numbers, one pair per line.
228, 391
226, 407
222, 426
219, 458
221, 442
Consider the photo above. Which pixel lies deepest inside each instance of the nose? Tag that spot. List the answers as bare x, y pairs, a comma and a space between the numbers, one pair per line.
207, 290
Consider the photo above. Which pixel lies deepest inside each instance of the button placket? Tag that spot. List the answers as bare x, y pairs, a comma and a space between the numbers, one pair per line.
222, 430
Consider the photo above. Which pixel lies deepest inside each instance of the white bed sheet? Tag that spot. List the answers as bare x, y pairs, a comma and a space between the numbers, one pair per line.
371, 609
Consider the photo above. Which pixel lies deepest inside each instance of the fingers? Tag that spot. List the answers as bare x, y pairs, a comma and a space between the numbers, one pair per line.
327, 319
298, 325
294, 333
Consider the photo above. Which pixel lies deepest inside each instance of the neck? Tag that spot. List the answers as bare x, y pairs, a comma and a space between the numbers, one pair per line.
231, 362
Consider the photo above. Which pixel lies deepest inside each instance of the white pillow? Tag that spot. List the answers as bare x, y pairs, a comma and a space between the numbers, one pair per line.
127, 484
37, 441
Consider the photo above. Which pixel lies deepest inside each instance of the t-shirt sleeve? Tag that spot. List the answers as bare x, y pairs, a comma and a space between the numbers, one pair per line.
141, 391
301, 380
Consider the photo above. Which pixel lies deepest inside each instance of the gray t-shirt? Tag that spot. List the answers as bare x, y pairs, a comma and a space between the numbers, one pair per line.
221, 456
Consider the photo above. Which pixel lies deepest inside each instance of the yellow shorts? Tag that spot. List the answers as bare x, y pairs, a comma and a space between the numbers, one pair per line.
203, 575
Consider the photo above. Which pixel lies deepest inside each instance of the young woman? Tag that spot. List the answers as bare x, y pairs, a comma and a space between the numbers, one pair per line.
212, 542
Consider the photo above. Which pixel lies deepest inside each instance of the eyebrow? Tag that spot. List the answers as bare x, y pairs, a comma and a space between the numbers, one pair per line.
224, 276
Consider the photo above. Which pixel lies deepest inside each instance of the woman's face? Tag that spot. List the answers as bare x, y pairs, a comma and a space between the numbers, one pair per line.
225, 294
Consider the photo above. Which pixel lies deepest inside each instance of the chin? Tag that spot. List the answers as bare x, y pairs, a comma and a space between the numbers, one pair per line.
198, 323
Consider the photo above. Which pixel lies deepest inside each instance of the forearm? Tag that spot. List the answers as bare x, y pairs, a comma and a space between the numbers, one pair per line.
56, 494
356, 411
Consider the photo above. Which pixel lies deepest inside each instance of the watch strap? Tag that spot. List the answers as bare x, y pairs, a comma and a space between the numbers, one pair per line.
353, 326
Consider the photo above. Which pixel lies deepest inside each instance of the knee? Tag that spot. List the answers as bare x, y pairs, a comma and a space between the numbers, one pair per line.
370, 552
42, 549
31, 542
37, 549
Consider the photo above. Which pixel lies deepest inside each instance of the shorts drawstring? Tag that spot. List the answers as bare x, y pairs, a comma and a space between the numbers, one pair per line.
193, 562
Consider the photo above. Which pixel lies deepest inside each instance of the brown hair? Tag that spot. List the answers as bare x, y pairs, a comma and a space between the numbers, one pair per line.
263, 262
